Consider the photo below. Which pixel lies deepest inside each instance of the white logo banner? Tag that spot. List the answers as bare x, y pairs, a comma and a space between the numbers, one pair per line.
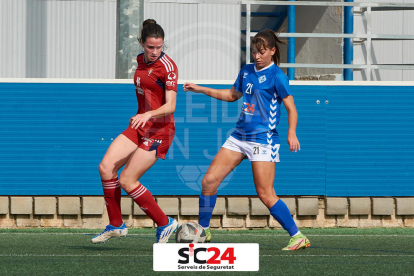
206, 257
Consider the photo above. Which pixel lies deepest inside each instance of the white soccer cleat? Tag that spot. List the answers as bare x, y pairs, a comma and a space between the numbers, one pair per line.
164, 232
110, 232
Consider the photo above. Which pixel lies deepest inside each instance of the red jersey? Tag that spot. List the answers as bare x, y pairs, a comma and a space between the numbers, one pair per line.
151, 81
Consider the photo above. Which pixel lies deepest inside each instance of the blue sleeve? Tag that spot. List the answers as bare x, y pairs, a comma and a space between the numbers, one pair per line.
282, 86
238, 84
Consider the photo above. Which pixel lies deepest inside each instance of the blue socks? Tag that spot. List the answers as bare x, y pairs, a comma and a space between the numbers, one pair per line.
279, 211
282, 214
206, 206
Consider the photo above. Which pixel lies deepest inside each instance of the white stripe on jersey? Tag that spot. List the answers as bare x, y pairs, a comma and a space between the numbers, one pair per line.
169, 62
165, 64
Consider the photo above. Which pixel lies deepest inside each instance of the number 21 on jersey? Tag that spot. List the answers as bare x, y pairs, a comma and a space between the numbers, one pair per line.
249, 88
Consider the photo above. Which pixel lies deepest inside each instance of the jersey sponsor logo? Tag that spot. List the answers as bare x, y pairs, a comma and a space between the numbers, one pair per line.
137, 86
172, 76
245, 75
140, 91
264, 152
262, 79
249, 88
170, 83
248, 108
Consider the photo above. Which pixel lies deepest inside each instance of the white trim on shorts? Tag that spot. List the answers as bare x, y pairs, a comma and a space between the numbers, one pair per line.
254, 151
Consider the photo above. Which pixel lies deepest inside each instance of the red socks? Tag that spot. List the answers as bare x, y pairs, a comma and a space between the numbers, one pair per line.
147, 203
143, 197
112, 193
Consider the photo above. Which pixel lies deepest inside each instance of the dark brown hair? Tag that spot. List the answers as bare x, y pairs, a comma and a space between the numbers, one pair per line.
268, 39
150, 28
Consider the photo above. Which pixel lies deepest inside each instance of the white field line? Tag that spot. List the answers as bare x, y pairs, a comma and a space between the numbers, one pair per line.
235, 234
70, 234
337, 255
116, 255
315, 235
69, 255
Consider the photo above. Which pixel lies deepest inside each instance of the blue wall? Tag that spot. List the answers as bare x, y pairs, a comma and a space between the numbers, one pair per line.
53, 137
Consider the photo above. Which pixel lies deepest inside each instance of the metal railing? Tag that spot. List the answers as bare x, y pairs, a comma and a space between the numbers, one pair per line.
366, 8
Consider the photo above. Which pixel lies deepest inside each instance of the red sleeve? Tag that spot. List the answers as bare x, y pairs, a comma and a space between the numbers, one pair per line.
171, 74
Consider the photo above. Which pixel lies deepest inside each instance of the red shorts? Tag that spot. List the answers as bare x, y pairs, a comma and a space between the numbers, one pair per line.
159, 140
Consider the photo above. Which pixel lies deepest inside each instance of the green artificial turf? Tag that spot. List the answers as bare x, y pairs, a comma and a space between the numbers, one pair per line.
338, 251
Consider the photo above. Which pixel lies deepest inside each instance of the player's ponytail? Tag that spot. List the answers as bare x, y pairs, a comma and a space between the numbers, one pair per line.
150, 28
268, 39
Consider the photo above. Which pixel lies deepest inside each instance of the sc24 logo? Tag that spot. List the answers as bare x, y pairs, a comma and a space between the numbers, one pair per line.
228, 255
247, 107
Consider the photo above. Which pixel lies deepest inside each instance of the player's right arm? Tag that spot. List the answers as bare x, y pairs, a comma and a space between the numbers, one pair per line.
227, 95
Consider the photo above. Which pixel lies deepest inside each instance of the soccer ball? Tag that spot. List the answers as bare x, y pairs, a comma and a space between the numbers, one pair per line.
190, 232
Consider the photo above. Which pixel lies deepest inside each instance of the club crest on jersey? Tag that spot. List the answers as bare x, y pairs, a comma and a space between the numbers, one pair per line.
172, 76
150, 72
262, 79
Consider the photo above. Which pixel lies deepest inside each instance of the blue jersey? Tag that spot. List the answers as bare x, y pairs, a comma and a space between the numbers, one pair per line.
263, 91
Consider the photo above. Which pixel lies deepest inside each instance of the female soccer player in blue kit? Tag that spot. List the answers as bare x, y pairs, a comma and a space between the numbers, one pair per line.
264, 87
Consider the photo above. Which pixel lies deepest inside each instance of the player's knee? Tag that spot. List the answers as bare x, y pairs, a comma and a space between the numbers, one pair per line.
209, 182
124, 184
268, 198
126, 181
264, 197
123, 181
105, 168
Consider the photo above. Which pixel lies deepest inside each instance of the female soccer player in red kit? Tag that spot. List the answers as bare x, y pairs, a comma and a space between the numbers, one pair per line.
148, 137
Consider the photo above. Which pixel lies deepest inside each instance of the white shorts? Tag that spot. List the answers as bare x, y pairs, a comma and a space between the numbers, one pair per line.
254, 151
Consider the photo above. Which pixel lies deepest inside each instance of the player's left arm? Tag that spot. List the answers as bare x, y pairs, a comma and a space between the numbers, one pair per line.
290, 106
164, 110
